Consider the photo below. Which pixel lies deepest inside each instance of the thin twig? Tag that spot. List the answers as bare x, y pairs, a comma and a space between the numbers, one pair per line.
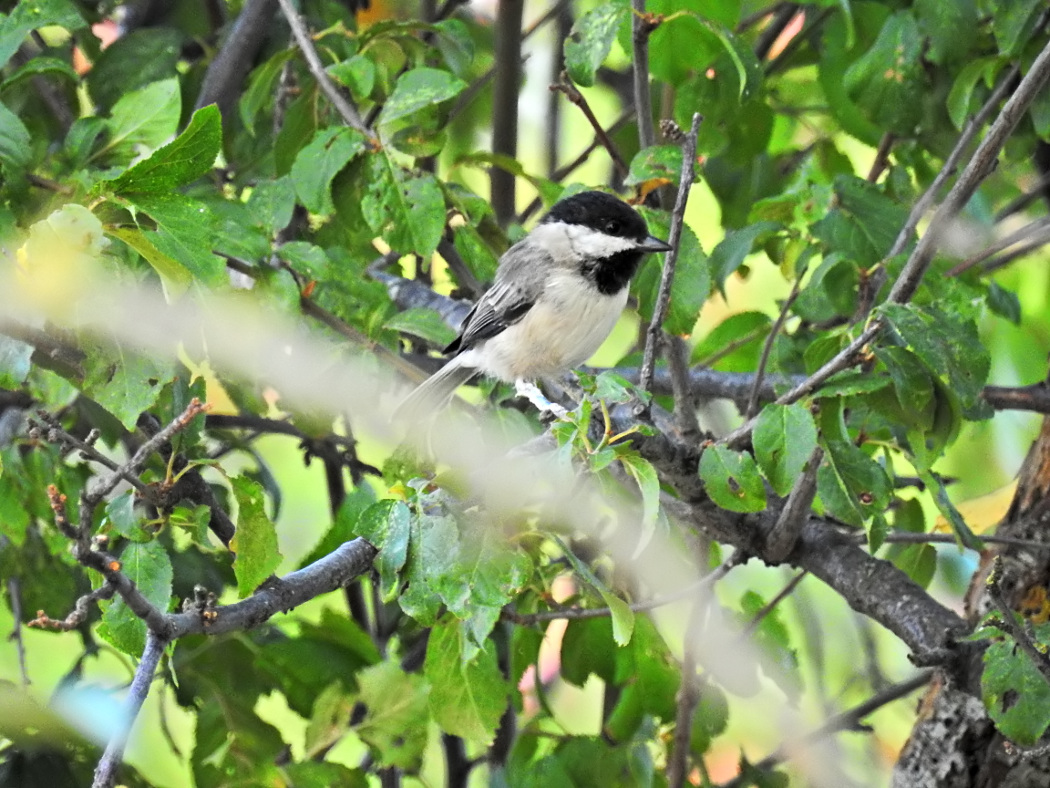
882, 156
686, 699
1032, 230
642, 26
771, 605
79, 613
677, 351
106, 771
1022, 201
505, 90
663, 297
14, 597
342, 104
781, 539
1038, 241
767, 348
848, 720
781, 19
572, 94
580, 613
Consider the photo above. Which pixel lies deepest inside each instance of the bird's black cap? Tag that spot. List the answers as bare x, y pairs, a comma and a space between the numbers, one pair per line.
600, 211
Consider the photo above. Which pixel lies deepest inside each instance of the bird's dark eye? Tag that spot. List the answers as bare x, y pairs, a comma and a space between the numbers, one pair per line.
613, 226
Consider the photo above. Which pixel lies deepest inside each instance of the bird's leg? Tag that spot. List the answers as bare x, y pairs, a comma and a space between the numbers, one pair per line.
531, 392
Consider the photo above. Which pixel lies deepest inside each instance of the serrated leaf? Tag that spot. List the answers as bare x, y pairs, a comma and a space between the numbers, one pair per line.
394, 723
358, 73
28, 16
407, 210
147, 565
863, 225
386, 525
732, 480
143, 120
949, 345
255, 542
185, 231
15, 147
467, 698
1015, 693
784, 439
126, 384
419, 89
887, 81
621, 613
315, 166
433, 554
658, 163
184, 159
852, 486
591, 39
175, 275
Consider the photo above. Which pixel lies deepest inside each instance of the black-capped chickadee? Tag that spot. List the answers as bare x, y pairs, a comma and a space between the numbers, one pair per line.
558, 293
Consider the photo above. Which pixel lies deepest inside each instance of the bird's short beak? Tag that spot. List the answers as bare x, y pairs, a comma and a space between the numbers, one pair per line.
653, 244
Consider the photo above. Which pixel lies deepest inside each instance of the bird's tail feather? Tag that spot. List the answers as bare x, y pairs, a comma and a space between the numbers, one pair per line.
434, 392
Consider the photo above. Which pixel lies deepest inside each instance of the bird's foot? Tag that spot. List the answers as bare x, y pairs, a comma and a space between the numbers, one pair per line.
532, 393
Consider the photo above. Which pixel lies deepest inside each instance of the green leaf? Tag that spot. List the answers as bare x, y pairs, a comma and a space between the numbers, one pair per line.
394, 725
690, 287
960, 97
15, 145
144, 120
433, 555
324, 774
467, 698
949, 345
917, 561
185, 230
622, 615
319, 162
951, 28
864, 224
591, 39
41, 66
1015, 693
357, 73
175, 275
947, 508
734, 345
887, 81
184, 159
588, 648
28, 16
422, 322
120, 513
407, 210
134, 60
731, 479
658, 163
147, 565
255, 542
912, 383
344, 528
386, 525
784, 439
728, 256
126, 384
1012, 23
419, 89
645, 476
852, 486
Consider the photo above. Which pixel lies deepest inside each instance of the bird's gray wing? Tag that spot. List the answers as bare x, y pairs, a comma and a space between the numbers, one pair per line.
518, 284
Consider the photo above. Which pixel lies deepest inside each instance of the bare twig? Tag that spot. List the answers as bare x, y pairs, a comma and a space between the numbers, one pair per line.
505, 92
1031, 231
1022, 201
572, 94
342, 104
848, 720
767, 348
580, 613
686, 700
677, 352
771, 605
106, 771
552, 125
663, 297
780, 541
642, 26
1037, 241
781, 19
882, 156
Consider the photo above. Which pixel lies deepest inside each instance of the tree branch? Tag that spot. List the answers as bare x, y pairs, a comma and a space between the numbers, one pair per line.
565, 86
505, 92
663, 298
106, 771
642, 26
342, 104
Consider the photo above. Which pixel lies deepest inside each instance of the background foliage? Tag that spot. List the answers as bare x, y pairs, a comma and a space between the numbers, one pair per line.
200, 154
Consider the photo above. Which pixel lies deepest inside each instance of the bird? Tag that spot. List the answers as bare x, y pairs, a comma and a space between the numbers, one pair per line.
556, 296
